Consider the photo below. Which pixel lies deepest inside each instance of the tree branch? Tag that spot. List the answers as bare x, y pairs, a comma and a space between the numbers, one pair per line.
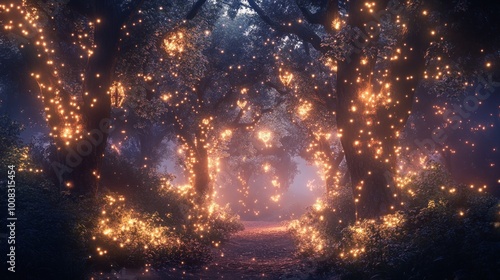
131, 10
274, 86
298, 30
195, 9
236, 123
324, 16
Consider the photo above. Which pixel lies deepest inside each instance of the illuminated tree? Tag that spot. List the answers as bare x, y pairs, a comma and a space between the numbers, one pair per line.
260, 165
201, 83
310, 107
72, 49
381, 50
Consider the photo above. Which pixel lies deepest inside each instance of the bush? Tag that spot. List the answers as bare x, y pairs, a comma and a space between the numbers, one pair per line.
60, 236
146, 221
126, 236
445, 232
49, 240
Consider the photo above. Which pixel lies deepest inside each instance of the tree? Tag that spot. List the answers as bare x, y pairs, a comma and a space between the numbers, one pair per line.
381, 53
201, 83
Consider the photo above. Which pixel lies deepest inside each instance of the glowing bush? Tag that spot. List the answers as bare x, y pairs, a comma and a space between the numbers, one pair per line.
445, 231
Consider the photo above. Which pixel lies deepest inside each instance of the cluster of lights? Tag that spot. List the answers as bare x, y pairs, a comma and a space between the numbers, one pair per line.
125, 227
311, 238
369, 103
174, 44
62, 108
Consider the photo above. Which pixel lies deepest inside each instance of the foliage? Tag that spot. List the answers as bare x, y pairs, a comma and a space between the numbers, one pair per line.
128, 236
50, 230
10, 147
58, 236
146, 221
323, 221
49, 227
443, 232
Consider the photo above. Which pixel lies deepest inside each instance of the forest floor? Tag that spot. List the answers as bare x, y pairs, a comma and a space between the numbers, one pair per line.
264, 250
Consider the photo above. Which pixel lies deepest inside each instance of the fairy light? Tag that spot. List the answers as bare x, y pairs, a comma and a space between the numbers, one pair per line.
265, 136
285, 77
304, 109
117, 92
174, 43
337, 24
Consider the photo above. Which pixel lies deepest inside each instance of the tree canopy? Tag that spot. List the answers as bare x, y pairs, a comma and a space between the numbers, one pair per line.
331, 81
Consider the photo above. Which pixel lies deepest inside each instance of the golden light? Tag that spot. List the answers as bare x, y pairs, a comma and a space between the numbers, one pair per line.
117, 92
266, 167
336, 24
285, 77
241, 103
275, 183
226, 134
332, 64
373, 101
265, 136
67, 133
304, 110
318, 205
165, 97
174, 44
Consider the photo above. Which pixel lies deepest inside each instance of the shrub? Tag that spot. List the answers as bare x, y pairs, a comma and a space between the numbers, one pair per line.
146, 221
445, 232
60, 236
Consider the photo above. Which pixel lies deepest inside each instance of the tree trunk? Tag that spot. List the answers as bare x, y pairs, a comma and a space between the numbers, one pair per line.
370, 138
370, 171
332, 165
200, 178
370, 130
96, 98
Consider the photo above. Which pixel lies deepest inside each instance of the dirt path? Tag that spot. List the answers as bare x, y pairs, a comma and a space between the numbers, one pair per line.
264, 250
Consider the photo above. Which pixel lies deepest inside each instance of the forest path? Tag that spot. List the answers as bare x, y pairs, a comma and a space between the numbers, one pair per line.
264, 250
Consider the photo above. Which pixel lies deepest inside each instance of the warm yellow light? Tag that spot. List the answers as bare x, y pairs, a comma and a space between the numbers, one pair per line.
285, 77
336, 24
241, 103
265, 136
174, 44
304, 110
117, 92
